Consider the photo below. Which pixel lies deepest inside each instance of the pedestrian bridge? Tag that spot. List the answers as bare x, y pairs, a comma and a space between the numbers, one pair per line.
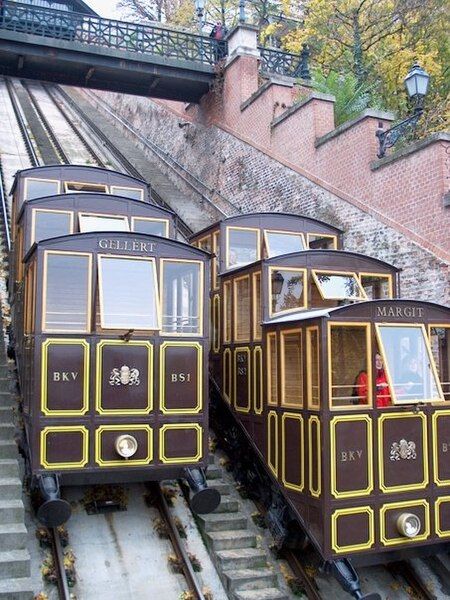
88, 51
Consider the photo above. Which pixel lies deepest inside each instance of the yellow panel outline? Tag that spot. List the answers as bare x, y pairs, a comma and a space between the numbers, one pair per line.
44, 376
333, 458
272, 416
352, 511
315, 272
387, 276
235, 303
98, 379
64, 429
227, 244
271, 338
403, 540
227, 382
323, 235
305, 290
256, 326
162, 367
257, 351
437, 518
288, 484
309, 382
412, 486
283, 334
315, 492
249, 379
174, 460
435, 417
123, 462
215, 333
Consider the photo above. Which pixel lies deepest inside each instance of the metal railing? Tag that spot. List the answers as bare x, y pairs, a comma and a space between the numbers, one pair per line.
107, 33
284, 63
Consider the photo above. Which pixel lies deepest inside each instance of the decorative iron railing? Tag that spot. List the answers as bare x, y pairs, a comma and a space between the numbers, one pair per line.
284, 63
107, 33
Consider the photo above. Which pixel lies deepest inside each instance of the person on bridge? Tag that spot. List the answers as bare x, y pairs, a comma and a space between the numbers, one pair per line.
218, 33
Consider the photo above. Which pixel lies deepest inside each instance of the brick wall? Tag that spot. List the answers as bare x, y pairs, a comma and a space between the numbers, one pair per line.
254, 180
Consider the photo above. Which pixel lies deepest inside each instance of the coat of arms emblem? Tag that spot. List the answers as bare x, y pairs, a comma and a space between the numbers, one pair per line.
403, 450
124, 376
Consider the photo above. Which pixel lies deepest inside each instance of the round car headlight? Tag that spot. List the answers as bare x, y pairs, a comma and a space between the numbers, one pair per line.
408, 525
126, 445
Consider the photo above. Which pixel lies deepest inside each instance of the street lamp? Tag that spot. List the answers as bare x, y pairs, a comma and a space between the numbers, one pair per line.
416, 84
200, 10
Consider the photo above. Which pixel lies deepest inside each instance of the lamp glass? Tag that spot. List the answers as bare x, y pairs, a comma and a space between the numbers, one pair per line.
416, 82
199, 5
126, 445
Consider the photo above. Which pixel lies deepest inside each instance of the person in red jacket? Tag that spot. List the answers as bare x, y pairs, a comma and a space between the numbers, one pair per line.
383, 393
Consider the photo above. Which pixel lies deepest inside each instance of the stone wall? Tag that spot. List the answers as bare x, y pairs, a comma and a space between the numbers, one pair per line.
255, 181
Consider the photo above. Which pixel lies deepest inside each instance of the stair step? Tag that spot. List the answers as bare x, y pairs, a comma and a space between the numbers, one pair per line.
6, 414
9, 467
10, 487
223, 522
14, 563
16, 589
210, 459
242, 558
264, 594
13, 536
250, 579
223, 488
8, 449
228, 540
11, 511
227, 505
6, 431
213, 472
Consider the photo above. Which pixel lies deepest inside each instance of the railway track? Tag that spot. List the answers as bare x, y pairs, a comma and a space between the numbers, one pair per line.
58, 561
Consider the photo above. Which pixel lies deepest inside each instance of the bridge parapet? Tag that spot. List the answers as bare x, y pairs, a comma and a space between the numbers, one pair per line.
108, 33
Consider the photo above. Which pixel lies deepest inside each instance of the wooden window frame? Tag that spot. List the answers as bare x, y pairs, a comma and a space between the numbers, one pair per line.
235, 304
44, 292
283, 334
48, 210
328, 236
125, 187
229, 228
104, 187
283, 232
153, 220
227, 301
441, 326
315, 272
215, 333
27, 179
309, 359
256, 326
272, 335
387, 276
201, 292
215, 260
122, 218
152, 260
305, 290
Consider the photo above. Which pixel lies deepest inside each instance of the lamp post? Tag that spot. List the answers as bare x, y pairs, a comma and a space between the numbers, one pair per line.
242, 18
200, 11
416, 84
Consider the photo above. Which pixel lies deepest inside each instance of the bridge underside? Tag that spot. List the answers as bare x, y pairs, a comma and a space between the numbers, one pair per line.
71, 63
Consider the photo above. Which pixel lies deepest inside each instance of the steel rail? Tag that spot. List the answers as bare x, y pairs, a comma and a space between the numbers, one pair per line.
176, 541
21, 121
404, 570
192, 180
183, 227
74, 128
58, 557
45, 123
5, 211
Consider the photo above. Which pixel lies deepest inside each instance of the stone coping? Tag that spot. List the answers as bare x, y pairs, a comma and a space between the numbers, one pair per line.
283, 81
441, 136
369, 113
295, 107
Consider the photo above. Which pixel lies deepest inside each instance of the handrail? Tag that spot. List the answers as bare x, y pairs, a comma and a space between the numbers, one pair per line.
4, 208
110, 33
285, 63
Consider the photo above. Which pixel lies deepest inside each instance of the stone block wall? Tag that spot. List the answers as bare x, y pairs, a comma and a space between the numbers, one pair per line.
254, 180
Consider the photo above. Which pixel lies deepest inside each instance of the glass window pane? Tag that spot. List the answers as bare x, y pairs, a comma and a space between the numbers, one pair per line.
313, 367
321, 242
66, 297
51, 224
151, 226
339, 287
409, 364
86, 188
128, 293
287, 290
38, 188
133, 193
181, 306
440, 348
376, 287
242, 247
283, 243
350, 379
242, 308
103, 223
292, 376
